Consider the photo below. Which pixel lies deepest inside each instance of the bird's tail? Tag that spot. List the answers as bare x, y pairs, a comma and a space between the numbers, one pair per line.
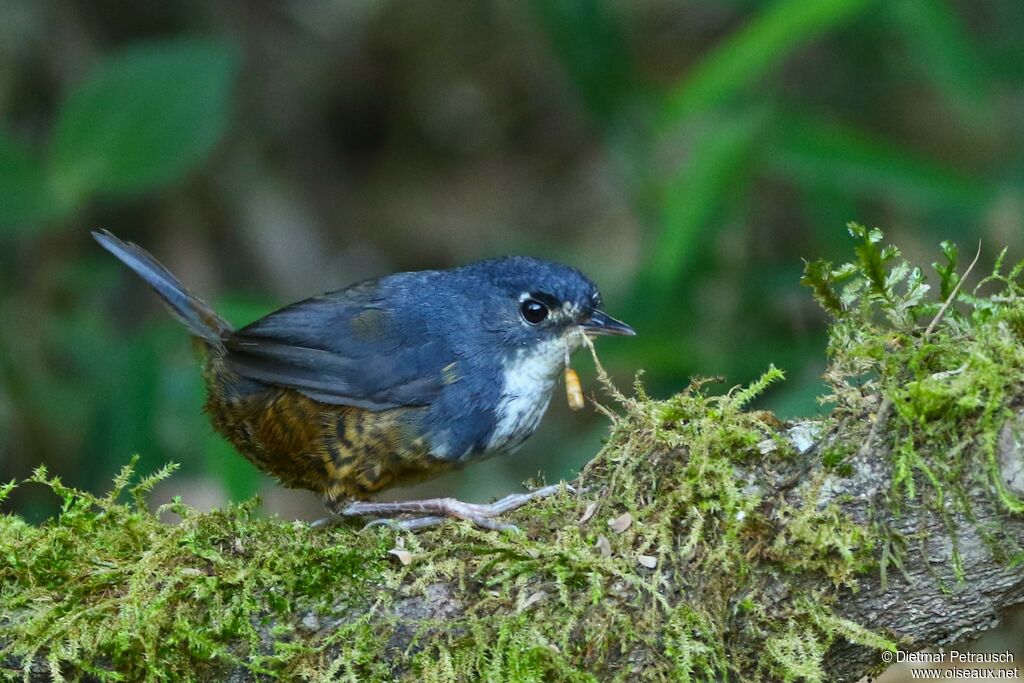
192, 311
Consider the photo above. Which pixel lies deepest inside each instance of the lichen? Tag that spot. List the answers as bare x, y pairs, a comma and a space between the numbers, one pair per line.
706, 578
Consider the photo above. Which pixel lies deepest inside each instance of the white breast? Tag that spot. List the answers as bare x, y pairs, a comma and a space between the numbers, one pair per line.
525, 394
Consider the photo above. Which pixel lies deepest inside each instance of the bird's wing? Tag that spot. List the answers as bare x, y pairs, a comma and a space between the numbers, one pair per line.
345, 348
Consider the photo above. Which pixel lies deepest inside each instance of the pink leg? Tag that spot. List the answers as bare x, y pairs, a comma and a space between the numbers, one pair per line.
436, 510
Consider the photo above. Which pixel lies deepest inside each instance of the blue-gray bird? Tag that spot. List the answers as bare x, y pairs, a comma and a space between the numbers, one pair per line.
392, 380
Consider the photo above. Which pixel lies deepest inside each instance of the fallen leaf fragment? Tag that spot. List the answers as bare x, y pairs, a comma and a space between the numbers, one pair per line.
588, 513
531, 601
603, 546
404, 556
621, 523
647, 561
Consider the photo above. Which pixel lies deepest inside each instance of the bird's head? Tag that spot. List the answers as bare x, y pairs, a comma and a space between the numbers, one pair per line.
540, 307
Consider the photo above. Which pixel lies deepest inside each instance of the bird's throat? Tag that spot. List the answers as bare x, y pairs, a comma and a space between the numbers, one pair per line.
528, 380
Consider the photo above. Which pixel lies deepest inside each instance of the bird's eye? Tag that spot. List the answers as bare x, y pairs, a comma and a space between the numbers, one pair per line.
534, 312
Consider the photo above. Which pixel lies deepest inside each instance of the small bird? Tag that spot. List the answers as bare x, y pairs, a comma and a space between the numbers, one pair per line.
392, 380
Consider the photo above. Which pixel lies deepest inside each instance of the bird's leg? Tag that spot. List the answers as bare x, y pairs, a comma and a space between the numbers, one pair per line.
436, 510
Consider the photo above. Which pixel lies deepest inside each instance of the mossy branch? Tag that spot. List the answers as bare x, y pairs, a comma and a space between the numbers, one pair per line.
704, 542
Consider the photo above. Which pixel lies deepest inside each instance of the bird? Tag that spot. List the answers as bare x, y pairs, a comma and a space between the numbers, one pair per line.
392, 380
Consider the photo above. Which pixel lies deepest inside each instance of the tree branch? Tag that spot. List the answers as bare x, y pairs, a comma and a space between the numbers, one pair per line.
568, 599
929, 602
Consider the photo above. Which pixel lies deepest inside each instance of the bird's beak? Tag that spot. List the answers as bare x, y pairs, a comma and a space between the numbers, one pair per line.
601, 323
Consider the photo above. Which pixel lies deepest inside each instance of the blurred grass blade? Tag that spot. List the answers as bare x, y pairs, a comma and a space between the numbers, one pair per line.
939, 45
24, 196
144, 117
757, 47
587, 34
718, 163
815, 153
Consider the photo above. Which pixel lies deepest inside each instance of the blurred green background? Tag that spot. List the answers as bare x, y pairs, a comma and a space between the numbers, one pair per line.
687, 155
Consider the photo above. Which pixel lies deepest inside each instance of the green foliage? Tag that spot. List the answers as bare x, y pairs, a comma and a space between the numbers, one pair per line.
719, 167
822, 278
757, 142
144, 118
812, 539
795, 655
743, 397
941, 50
766, 40
824, 154
795, 651
590, 41
692, 450
24, 191
875, 282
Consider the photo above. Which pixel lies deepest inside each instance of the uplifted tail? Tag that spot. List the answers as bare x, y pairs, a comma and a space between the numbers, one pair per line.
192, 311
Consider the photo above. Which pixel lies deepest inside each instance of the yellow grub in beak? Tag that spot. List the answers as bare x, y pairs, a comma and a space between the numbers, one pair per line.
573, 389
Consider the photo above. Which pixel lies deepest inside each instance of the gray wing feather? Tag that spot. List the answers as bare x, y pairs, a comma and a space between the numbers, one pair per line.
344, 348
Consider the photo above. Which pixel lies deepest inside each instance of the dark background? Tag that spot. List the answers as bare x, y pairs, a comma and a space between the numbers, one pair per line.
687, 155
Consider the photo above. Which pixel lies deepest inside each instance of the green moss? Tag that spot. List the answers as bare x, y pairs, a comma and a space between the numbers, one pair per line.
795, 654
108, 590
947, 370
813, 538
795, 649
677, 467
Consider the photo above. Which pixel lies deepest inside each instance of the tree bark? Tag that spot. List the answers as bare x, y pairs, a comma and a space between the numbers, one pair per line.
926, 604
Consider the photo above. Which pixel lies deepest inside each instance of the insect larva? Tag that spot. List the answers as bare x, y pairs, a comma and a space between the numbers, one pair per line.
573, 389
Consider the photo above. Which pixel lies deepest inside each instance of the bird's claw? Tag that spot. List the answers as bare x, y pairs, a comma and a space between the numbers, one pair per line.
440, 509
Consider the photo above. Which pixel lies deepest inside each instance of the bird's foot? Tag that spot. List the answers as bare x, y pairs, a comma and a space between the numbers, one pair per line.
434, 511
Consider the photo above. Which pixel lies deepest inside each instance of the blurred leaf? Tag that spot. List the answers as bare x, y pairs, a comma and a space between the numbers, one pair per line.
588, 37
144, 117
24, 196
816, 153
719, 161
1001, 47
749, 52
939, 44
